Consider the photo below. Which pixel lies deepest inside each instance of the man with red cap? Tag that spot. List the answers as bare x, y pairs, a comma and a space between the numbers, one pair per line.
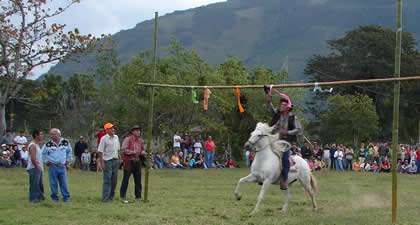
108, 149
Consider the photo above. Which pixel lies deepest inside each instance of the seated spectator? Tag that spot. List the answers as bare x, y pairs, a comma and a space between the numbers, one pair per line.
186, 163
362, 166
375, 167
319, 164
385, 166
196, 162
166, 160
231, 164
5, 160
399, 166
175, 162
310, 164
356, 165
94, 165
218, 164
158, 161
367, 166
24, 156
405, 167
413, 168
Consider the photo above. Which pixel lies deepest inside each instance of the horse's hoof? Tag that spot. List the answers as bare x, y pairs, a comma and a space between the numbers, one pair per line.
314, 209
238, 197
284, 211
253, 213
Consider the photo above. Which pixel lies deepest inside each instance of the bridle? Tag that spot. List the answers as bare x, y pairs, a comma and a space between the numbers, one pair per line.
252, 144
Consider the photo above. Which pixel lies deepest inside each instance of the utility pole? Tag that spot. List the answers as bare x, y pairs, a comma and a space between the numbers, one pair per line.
395, 124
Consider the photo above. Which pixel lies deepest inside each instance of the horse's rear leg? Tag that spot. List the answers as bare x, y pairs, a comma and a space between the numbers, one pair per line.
264, 188
306, 183
249, 178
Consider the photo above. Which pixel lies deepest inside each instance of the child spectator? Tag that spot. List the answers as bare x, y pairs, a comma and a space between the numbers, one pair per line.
375, 168
175, 162
94, 165
85, 160
319, 164
24, 156
166, 160
356, 165
405, 167
230, 163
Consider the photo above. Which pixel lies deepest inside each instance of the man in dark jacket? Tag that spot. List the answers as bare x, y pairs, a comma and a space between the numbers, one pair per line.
79, 148
287, 125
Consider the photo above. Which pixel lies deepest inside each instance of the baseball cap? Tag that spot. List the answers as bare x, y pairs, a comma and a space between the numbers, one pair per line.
81, 137
108, 126
3, 145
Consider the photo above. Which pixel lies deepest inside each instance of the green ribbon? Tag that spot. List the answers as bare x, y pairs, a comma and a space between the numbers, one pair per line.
194, 96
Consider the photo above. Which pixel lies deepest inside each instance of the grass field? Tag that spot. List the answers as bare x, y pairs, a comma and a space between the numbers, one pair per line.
206, 197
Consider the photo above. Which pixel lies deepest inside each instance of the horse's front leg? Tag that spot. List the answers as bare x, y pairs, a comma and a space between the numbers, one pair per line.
264, 188
249, 178
284, 208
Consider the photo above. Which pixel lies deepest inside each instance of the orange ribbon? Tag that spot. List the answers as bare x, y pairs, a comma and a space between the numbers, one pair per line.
238, 95
207, 93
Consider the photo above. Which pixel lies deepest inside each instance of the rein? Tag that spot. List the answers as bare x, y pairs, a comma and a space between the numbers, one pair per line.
255, 142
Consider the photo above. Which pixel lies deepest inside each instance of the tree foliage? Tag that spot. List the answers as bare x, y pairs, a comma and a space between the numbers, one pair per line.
350, 118
28, 41
367, 53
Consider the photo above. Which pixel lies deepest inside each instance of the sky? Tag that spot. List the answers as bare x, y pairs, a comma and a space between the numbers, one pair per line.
110, 16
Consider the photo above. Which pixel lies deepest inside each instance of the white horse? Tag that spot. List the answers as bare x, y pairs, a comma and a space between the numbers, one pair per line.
265, 168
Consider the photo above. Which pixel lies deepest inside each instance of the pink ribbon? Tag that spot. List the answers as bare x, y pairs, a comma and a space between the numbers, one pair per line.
289, 103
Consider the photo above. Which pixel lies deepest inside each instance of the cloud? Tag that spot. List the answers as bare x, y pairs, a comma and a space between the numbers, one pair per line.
110, 16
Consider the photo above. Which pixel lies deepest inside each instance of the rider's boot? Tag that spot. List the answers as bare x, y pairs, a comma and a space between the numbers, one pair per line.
283, 184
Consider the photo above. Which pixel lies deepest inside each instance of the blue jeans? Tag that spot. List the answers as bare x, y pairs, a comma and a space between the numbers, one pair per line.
247, 160
36, 186
110, 176
339, 165
418, 165
209, 159
286, 165
58, 175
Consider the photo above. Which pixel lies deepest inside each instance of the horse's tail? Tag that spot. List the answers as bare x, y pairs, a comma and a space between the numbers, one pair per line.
313, 183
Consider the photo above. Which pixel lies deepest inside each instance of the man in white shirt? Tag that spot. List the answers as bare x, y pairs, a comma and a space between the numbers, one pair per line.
177, 142
20, 140
108, 149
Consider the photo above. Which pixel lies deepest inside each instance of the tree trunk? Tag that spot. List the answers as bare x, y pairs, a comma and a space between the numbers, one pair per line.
2, 118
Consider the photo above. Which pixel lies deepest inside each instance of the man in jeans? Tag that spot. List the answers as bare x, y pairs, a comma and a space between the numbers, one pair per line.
108, 149
58, 152
133, 148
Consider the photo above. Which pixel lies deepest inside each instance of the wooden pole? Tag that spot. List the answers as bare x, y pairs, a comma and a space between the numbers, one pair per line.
395, 122
296, 85
150, 124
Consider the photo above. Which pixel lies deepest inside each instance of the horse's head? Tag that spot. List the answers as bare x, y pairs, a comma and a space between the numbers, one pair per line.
258, 137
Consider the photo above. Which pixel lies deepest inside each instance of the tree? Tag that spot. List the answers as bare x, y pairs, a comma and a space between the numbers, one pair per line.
367, 53
349, 117
27, 41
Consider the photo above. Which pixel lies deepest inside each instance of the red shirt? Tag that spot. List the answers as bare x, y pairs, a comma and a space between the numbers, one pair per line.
231, 163
209, 146
418, 154
100, 135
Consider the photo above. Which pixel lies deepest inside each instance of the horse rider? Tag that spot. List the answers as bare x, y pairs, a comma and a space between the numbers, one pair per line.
287, 125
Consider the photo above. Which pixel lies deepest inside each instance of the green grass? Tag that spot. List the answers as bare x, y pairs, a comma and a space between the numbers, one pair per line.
206, 197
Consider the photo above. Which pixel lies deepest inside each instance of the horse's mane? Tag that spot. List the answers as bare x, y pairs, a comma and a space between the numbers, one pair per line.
275, 143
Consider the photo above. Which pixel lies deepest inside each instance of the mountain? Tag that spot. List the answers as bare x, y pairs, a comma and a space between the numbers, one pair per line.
259, 32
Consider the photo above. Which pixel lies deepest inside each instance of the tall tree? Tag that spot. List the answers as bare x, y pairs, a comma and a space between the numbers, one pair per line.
366, 53
27, 41
350, 118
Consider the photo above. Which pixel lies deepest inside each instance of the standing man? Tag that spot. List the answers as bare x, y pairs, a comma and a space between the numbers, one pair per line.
287, 125
133, 148
7, 139
20, 140
177, 142
58, 151
108, 149
79, 148
35, 169
210, 147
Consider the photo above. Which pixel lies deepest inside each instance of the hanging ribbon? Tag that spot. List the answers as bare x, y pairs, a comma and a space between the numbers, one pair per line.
318, 88
238, 95
207, 93
194, 96
289, 102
